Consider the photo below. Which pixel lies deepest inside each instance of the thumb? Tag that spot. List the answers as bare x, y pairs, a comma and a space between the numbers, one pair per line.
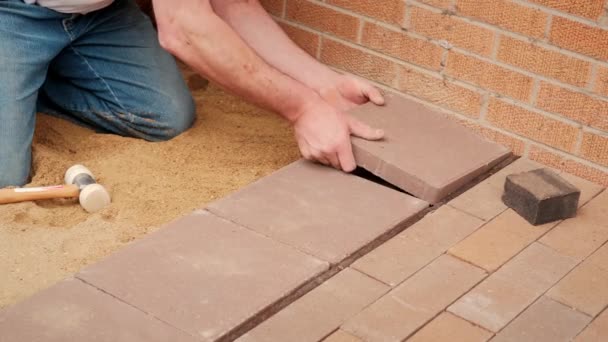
361, 130
373, 94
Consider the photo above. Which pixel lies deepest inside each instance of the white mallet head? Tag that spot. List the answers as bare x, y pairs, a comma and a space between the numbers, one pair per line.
93, 197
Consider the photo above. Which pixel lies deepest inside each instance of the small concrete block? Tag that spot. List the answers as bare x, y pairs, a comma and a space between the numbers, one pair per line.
541, 196
423, 152
318, 210
545, 320
203, 274
448, 327
342, 336
73, 311
597, 331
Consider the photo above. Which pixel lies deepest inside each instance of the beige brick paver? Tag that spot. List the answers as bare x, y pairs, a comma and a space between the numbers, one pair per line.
580, 236
499, 240
342, 336
320, 311
545, 320
418, 245
448, 327
597, 331
416, 301
507, 292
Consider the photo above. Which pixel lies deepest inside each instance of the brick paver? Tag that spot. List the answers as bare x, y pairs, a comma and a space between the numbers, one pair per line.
324, 212
342, 336
74, 311
203, 274
400, 257
320, 311
447, 327
580, 236
597, 331
545, 320
417, 300
499, 240
507, 292
586, 287
423, 153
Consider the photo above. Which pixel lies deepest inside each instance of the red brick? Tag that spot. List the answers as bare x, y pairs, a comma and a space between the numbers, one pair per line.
417, 300
440, 92
323, 18
406, 253
597, 331
595, 148
483, 200
402, 46
552, 159
510, 290
443, 4
545, 320
601, 84
585, 289
447, 327
582, 235
489, 76
516, 145
320, 311
391, 11
358, 62
74, 311
532, 125
303, 205
591, 9
274, 7
505, 14
544, 62
202, 274
452, 29
499, 240
575, 36
308, 41
419, 143
574, 105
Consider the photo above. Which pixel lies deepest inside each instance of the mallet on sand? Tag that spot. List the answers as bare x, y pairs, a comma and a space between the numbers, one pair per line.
80, 183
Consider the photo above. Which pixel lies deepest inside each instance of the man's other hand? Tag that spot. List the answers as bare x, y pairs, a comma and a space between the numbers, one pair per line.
346, 92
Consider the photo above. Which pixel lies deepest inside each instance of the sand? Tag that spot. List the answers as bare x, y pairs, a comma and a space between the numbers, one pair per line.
231, 145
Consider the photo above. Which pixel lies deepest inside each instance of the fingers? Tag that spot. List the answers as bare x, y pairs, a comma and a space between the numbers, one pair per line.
361, 130
346, 157
373, 94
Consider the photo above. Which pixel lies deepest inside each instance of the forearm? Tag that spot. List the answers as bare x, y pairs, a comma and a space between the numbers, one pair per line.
205, 42
257, 28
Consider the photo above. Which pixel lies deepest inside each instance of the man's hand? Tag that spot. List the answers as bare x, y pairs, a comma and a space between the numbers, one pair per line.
346, 92
323, 134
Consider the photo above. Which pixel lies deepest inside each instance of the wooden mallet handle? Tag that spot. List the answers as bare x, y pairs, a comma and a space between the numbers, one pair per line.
38, 193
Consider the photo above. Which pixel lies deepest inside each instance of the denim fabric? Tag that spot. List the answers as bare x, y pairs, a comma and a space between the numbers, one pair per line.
104, 69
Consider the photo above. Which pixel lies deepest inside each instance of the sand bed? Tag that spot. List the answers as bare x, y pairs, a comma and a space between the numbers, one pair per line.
231, 145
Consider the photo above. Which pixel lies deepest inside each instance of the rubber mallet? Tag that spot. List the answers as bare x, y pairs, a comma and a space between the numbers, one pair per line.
80, 183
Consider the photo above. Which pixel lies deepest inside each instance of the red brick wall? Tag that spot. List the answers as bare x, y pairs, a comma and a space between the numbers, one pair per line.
531, 74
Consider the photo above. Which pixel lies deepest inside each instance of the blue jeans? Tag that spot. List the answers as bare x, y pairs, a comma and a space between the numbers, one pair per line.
104, 70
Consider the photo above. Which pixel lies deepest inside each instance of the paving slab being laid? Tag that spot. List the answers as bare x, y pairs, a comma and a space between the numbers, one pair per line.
203, 274
318, 210
74, 311
423, 152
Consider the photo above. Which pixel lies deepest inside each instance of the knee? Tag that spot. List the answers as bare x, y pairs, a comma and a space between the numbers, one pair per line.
177, 117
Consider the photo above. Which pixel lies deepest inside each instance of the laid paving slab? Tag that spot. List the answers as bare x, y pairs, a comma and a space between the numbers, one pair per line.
499, 240
203, 274
447, 327
507, 292
586, 287
545, 320
597, 331
318, 210
412, 249
342, 336
74, 311
580, 236
417, 300
321, 311
423, 153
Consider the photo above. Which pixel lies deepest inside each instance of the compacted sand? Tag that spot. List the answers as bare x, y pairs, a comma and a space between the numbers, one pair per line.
231, 145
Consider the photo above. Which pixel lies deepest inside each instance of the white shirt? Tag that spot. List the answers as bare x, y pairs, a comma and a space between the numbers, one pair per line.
72, 6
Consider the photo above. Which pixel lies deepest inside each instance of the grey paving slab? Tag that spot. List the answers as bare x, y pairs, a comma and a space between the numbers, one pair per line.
203, 274
72, 311
424, 153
